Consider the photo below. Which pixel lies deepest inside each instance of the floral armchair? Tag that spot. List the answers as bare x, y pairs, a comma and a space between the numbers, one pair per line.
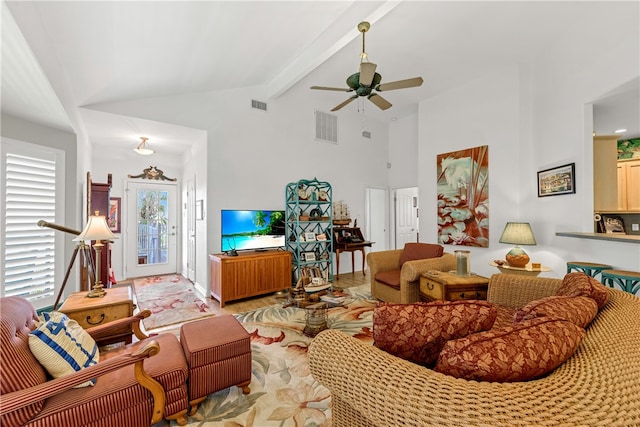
131, 386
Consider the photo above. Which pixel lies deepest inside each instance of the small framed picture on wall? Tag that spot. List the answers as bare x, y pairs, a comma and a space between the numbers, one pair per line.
114, 214
558, 180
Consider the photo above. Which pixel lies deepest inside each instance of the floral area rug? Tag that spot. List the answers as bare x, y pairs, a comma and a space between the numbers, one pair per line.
283, 392
171, 299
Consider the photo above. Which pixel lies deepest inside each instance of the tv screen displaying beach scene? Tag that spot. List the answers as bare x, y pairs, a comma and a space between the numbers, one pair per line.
252, 229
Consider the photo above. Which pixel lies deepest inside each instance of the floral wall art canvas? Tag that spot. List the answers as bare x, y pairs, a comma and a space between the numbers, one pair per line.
463, 197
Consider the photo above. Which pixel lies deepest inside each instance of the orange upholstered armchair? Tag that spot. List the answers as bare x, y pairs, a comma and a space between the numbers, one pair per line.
131, 388
395, 274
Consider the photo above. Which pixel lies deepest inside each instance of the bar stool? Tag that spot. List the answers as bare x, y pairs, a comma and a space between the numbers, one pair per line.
589, 268
628, 281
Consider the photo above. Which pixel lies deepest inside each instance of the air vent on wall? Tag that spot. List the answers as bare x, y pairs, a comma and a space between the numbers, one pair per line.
326, 127
259, 105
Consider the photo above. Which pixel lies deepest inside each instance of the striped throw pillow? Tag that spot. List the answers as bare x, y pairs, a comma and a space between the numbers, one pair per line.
62, 346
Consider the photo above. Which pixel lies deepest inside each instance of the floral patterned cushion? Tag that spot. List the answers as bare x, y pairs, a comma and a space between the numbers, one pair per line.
578, 310
521, 352
580, 284
418, 331
504, 316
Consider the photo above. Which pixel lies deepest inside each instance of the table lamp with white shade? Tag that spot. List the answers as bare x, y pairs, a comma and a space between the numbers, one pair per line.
98, 230
517, 233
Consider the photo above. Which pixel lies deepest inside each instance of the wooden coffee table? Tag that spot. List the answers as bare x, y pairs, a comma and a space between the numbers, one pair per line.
448, 286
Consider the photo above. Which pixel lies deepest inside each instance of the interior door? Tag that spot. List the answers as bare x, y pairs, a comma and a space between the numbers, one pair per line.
152, 217
191, 230
406, 228
376, 218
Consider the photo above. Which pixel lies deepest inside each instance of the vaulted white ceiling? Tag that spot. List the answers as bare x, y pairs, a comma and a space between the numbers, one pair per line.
61, 59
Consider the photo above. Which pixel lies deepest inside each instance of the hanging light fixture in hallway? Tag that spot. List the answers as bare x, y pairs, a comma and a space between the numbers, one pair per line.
142, 147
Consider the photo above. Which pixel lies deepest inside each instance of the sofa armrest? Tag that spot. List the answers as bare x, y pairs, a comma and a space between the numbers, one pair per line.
10, 402
383, 261
411, 270
100, 331
515, 291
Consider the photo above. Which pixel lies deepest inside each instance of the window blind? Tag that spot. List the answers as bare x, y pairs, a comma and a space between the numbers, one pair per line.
29, 189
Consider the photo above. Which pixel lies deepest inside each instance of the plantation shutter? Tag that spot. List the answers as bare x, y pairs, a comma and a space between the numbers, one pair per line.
29, 194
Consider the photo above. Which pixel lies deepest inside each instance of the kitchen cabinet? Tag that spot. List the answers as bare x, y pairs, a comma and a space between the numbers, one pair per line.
605, 159
628, 175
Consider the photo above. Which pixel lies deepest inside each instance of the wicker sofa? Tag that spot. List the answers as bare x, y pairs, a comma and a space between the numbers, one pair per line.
410, 271
598, 385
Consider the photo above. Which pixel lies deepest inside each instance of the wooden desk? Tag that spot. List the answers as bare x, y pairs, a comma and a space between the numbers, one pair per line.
445, 286
349, 239
526, 270
89, 312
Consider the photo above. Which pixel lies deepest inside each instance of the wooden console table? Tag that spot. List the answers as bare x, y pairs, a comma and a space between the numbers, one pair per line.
89, 312
445, 286
349, 239
249, 274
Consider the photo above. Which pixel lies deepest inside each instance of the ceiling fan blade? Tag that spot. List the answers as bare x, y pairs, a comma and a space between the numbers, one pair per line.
339, 106
367, 71
339, 89
401, 84
379, 101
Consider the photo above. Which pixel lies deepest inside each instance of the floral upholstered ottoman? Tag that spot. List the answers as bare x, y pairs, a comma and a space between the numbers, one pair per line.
218, 353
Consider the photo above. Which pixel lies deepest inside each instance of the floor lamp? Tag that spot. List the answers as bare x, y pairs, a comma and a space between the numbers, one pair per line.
98, 230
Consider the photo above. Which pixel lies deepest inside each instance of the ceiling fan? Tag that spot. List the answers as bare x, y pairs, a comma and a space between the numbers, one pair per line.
366, 81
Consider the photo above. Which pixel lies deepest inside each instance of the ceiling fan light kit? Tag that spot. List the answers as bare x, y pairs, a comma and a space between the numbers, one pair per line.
142, 147
367, 82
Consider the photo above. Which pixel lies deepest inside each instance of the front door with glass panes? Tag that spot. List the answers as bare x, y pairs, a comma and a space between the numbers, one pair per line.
151, 229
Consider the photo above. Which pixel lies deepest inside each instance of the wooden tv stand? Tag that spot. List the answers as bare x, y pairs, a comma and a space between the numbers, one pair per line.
248, 274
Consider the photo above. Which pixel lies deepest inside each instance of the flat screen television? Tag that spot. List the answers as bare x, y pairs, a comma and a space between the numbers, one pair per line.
252, 229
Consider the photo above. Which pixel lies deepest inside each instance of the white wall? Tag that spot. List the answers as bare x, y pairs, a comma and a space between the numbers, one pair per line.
483, 112
22, 130
533, 118
252, 154
121, 163
195, 167
403, 152
578, 70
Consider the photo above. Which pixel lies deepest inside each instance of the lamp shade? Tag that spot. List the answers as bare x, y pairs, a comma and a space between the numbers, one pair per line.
96, 229
518, 233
